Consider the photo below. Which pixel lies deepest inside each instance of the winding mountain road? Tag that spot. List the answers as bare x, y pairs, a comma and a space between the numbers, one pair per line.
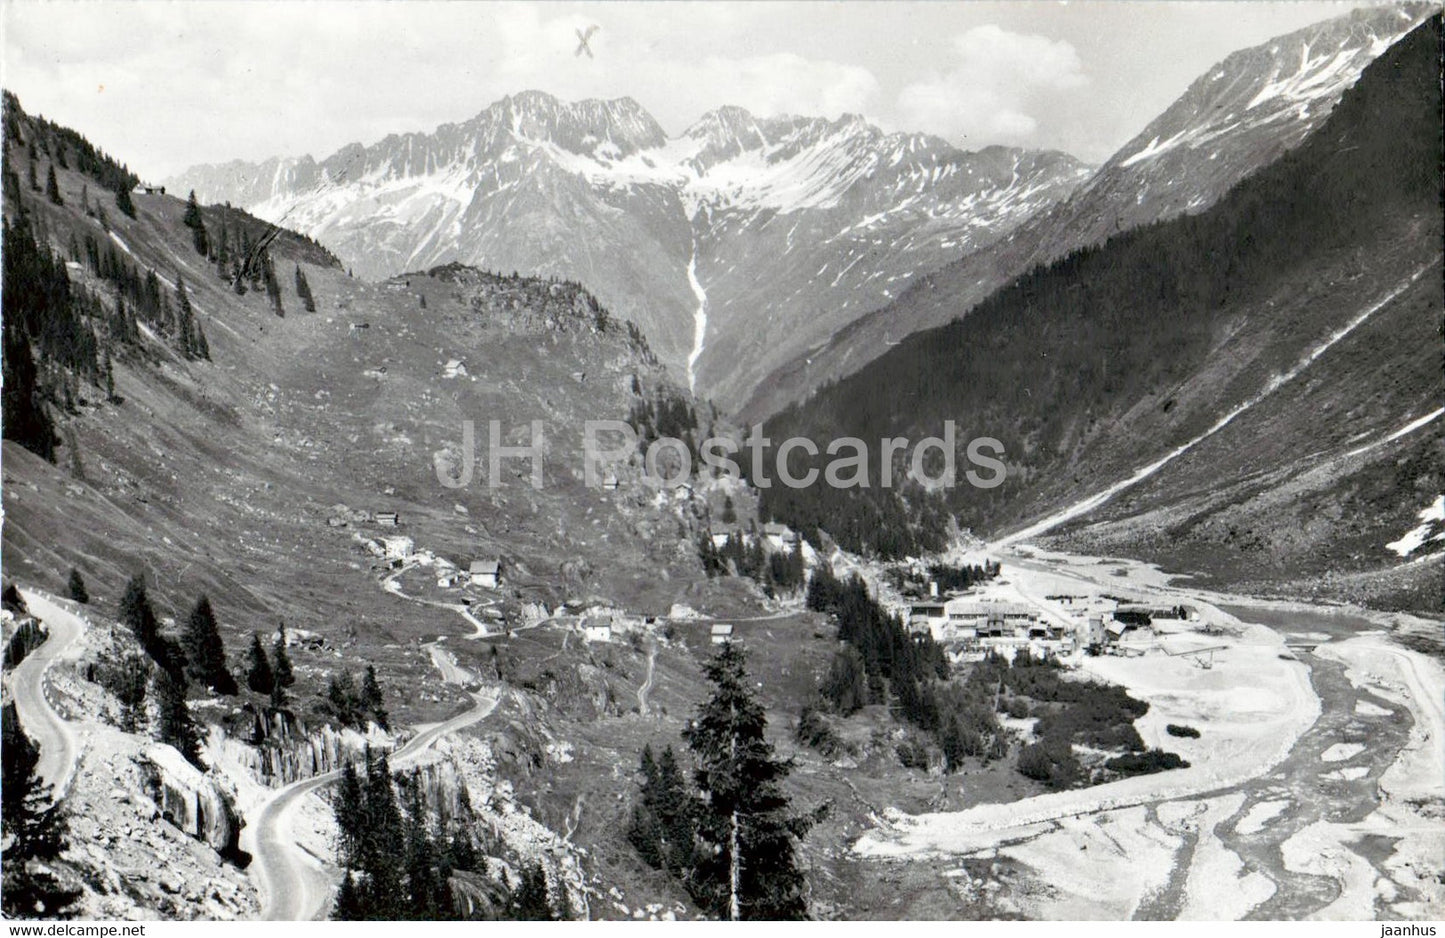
59, 751
294, 883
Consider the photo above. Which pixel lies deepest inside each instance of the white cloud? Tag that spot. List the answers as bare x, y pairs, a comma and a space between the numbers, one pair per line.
998, 79
781, 83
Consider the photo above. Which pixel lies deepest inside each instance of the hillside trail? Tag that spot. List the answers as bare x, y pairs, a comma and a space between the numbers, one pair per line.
646, 686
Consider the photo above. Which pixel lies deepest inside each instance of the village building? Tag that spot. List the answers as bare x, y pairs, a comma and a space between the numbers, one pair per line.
397, 548
486, 573
597, 628
780, 536
972, 618
927, 617
721, 634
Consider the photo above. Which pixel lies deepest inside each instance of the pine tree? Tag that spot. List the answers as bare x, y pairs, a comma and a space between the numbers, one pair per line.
137, 615
205, 651
123, 200
174, 724
273, 287
751, 871
846, 684
35, 829
371, 699
128, 680
34, 179
429, 893
185, 319
24, 417
645, 830
350, 903
386, 894
676, 812
77, 588
303, 291
529, 902
197, 224
259, 676
199, 345
52, 188
280, 660
350, 810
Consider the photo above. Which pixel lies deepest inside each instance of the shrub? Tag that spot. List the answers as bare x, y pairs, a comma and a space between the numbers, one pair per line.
815, 731
913, 754
1145, 763
1051, 762
1175, 729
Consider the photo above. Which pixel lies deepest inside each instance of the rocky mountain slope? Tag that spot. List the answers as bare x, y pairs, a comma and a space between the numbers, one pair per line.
1242, 114
261, 474
733, 246
1264, 368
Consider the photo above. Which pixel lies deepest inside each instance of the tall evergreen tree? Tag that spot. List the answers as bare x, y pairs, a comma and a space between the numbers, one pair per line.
52, 188
281, 660
349, 806
259, 676
205, 650
386, 893
303, 291
223, 252
197, 224
430, 894
35, 829
123, 200
268, 276
751, 871
137, 615
371, 699
76, 587
128, 680
24, 418
174, 724
185, 320
350, 902
107, 370
529, 902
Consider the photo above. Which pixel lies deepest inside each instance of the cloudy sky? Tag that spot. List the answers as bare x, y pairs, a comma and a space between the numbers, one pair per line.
165, 85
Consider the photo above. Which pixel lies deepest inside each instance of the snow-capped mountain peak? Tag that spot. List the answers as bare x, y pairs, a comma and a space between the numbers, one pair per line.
834, 214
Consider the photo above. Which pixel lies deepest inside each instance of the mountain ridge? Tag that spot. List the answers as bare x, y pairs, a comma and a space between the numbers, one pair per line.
1241, 114
571, 183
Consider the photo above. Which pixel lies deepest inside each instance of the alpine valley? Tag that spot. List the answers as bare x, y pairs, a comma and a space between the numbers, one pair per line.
315, 607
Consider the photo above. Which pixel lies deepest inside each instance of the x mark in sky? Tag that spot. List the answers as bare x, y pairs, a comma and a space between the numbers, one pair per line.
582, 45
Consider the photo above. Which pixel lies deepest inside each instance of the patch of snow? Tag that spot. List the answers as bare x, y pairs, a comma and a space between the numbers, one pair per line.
1431, 515
1339, 752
